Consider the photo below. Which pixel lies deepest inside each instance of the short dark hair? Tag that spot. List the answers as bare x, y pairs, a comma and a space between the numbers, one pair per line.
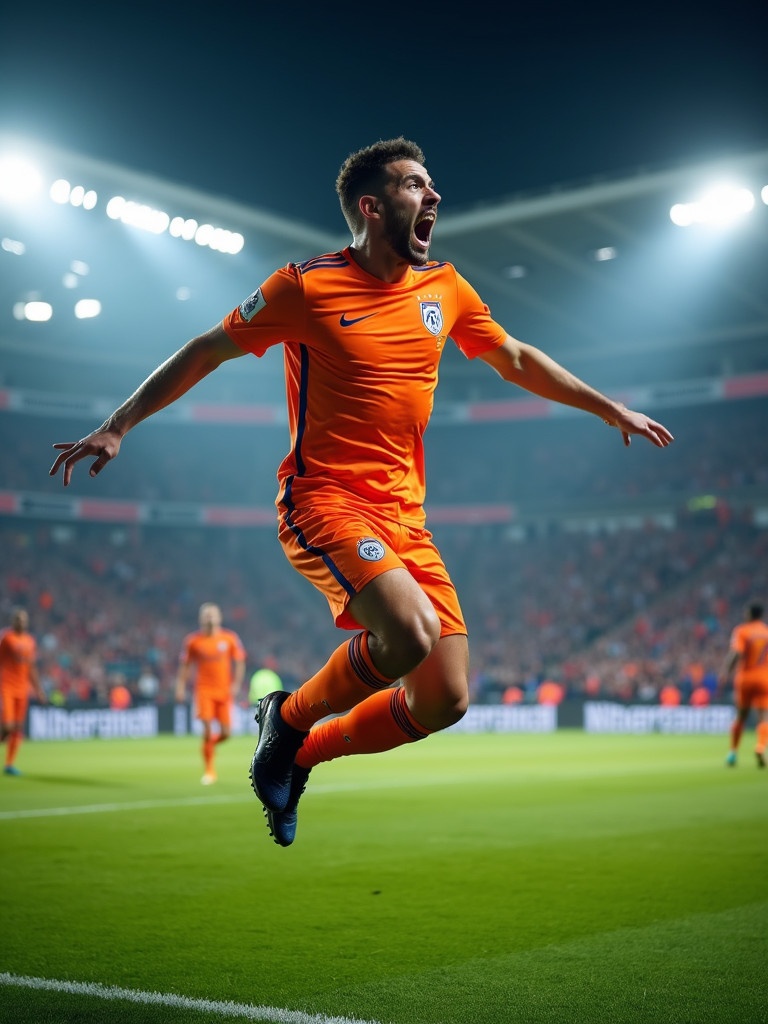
755, 609
364, 172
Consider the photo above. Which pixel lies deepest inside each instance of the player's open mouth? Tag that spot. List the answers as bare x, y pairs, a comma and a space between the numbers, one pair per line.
423, 230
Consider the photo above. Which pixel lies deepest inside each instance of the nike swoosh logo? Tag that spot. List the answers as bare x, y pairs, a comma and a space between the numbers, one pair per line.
356, 320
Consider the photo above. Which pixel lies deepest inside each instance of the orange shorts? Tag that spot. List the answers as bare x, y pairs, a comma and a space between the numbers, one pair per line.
340, 550
751, 694
209, 706
13, 707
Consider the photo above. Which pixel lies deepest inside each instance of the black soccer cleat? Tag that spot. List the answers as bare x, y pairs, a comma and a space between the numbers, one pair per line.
760, 758
282, 824
272, 762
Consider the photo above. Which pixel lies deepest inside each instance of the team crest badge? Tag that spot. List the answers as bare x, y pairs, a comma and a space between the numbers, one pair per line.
370, 549
252, 305
432, 316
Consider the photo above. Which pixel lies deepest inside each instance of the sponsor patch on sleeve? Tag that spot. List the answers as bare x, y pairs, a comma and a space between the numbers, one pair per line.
252, 305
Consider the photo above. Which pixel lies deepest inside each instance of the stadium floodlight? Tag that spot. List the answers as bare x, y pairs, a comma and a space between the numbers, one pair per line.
138, 215
62, 192
19, 179
157, 221
13, 246
605, 253
720, 206
181, 228
36, 311
86, 309
764, 194
80, 196
223, 240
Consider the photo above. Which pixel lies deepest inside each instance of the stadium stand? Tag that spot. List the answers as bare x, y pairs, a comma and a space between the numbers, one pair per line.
614, 572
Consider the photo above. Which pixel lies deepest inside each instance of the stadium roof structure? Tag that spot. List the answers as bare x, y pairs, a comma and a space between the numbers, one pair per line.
595, 273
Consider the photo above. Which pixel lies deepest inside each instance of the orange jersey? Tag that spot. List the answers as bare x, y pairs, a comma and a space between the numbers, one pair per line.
750, 640
361, 363
213, 657
18, 653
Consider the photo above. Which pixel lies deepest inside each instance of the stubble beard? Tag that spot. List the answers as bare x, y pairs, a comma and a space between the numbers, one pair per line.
398, 237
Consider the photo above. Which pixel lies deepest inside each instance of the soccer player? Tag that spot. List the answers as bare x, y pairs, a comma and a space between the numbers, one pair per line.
218, 657
263, 681
18, 677
362, 330
747, 660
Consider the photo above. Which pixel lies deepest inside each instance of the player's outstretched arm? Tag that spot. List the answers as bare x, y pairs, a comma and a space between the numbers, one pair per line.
169, 381
532, 369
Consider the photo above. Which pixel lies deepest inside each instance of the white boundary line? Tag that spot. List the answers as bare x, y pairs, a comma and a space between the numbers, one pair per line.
523, 777
197, 801
136, 805
270, 1014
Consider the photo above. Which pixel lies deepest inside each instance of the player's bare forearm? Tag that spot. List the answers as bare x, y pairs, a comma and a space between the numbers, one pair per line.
37, 686
534, 370
172, 379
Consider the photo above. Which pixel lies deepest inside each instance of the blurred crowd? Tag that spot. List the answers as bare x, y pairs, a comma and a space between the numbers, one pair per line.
719, 448
604, 611
618, 615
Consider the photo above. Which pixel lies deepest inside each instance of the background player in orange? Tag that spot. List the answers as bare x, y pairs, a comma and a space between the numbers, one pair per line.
18, 677
747, 659
218, 658
362, 331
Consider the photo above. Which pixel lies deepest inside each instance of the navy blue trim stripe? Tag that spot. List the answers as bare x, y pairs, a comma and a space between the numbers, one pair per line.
313, 549
425, 270
317, 262
287, 499
301, 419
360, 666
402, 719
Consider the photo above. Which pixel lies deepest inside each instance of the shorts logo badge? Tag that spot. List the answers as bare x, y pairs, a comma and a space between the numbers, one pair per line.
370, 549
432, 317
252, 305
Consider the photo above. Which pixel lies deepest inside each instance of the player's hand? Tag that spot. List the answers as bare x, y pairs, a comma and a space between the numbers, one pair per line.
629, 423
102, 444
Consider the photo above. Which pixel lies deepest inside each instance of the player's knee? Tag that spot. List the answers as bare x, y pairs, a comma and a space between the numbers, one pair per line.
418, 637
451, 712
405, 642
440, 708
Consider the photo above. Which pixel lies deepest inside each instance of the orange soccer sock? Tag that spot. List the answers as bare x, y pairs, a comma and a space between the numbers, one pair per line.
762, 737
737, 728
348, 677
381, 722
208, 748
12, 748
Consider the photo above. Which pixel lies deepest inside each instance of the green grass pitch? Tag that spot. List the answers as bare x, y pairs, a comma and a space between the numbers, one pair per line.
468, 879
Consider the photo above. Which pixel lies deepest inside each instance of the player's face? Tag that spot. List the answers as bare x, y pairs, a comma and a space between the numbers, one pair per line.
20, 621
409, 205
210, 618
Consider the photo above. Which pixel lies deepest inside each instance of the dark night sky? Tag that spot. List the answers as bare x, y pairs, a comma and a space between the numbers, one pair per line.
262, 102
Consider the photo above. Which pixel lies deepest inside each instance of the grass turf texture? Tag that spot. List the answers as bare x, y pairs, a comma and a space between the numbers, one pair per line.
466, 880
